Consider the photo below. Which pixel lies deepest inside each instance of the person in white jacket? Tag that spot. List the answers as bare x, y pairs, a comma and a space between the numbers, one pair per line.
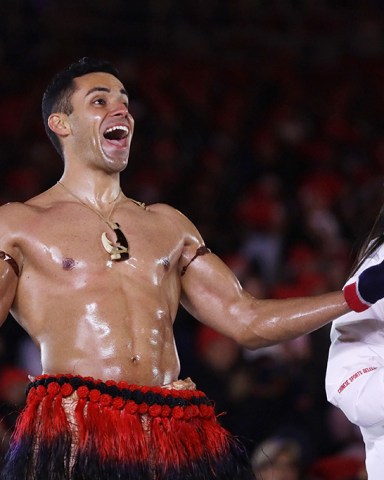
355, 370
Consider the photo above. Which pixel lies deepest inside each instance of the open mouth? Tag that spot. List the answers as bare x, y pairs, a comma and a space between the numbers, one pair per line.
115, 139
117, 134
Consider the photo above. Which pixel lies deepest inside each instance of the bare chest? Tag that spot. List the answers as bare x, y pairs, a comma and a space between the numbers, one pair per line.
75, 240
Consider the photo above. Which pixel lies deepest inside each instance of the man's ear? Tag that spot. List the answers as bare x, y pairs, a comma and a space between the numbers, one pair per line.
58, 123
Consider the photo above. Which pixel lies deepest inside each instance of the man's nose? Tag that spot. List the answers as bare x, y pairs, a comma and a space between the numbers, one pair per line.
120, 110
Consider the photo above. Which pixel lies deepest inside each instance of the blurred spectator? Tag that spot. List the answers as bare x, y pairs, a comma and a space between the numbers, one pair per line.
277, 459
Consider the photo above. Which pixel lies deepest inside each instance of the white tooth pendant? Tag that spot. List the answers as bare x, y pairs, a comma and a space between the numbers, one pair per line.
119, 251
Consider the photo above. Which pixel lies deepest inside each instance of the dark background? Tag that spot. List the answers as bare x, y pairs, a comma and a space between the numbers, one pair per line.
262, 122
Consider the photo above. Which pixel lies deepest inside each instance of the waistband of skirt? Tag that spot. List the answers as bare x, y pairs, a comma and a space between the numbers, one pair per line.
88, 388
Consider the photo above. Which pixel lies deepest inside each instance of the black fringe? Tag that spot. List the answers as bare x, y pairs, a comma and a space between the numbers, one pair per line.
50, 464
43, 449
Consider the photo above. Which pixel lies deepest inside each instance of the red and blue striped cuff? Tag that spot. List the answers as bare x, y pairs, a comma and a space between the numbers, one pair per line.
353, 298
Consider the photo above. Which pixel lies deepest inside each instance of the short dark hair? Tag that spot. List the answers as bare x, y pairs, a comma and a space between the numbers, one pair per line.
58, 94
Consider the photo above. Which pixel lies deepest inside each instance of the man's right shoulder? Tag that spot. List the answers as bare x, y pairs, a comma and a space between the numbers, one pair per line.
16, 219
12, 211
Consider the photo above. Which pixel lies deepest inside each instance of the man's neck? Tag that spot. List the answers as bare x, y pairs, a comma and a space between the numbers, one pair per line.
95, 189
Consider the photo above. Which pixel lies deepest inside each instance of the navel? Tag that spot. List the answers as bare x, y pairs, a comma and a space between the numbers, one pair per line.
135, 359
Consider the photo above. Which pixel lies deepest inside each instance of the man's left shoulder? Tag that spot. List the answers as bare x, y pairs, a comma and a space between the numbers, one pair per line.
177, 222
169, 212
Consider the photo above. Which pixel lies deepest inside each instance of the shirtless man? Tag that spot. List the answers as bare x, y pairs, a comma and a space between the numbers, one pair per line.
96, 279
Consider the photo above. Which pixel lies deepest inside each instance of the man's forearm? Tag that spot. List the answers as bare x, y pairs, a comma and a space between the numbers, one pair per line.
267, 322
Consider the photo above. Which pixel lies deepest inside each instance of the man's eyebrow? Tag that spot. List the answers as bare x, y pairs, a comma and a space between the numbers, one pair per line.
123, 91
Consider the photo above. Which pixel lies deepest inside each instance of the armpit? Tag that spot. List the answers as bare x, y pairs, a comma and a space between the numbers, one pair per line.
11, 261
199, 252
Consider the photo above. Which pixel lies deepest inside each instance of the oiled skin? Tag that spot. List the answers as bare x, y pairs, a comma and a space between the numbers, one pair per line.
114, 320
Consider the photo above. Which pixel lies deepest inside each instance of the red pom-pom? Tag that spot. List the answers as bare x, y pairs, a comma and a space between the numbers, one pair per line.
122, 385
118, 403
53, 388
177, 412
66, 390
143, 408
166, 411
82, 391
131, 407
186, 394
188, 413
154, 410
195, 412
206, 411
94, 395
105, 400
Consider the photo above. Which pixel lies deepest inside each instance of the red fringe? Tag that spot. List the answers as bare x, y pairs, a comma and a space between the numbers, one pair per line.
46, 428
216, 437
117, 431
98, 422
127, 432
176, 443
132, 444
79, 417
60, 423
25, 425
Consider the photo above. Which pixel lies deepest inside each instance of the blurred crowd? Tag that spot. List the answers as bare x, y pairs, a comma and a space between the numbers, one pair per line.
262, 122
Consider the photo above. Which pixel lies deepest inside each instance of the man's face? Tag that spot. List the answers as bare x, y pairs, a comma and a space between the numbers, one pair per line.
101, 125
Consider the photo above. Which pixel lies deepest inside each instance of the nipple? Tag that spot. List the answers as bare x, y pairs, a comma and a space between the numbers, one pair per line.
68, 263
166, 263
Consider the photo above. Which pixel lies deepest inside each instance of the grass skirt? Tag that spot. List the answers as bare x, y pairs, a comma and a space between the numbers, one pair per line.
78, 428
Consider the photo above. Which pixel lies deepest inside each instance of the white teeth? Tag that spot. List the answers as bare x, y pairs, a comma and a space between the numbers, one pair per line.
118, 127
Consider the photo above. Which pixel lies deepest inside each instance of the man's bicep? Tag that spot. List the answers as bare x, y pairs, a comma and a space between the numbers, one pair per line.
211, 292
9, 274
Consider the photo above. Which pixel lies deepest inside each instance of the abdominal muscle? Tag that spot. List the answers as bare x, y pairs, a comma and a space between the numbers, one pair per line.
115, 350
115, 335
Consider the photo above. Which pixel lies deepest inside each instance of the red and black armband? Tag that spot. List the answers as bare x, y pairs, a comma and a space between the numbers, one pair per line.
11, 261
199, 252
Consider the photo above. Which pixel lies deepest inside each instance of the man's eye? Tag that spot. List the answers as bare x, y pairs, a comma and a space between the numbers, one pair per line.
99, 101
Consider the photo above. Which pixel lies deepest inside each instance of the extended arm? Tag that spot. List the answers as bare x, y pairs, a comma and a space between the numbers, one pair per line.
213, 295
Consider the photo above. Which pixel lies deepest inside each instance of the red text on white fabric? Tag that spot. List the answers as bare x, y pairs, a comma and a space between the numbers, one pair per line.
353, 377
